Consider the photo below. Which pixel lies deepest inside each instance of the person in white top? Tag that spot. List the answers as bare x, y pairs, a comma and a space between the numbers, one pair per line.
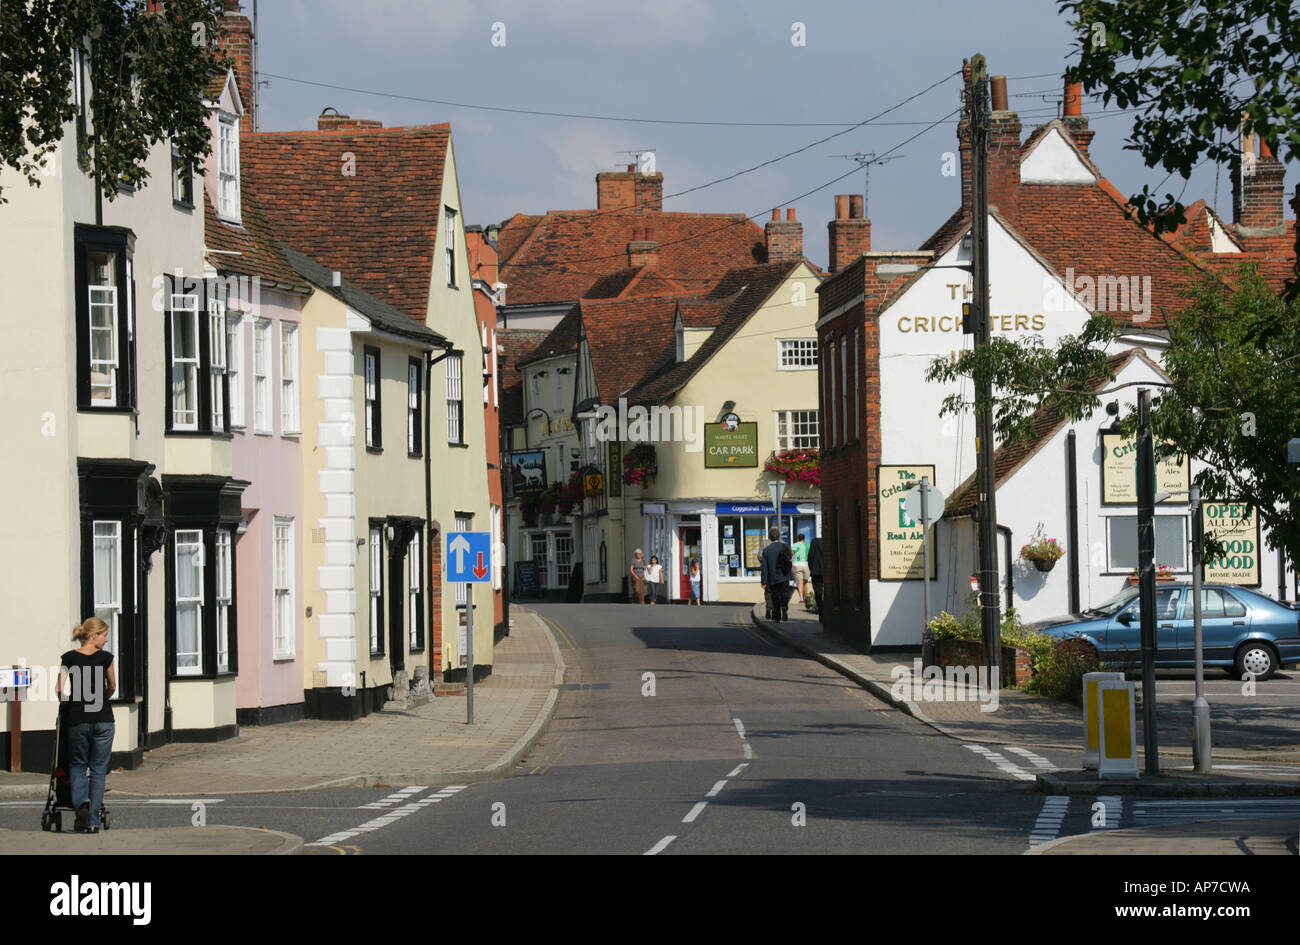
654, 579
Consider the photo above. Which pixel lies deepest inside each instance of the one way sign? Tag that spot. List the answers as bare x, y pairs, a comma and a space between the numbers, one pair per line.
469, 557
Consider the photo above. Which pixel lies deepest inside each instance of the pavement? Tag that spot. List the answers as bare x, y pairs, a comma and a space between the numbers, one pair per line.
423, 745
1030, 721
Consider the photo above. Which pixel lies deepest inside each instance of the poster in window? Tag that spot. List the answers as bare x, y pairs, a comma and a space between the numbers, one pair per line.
729, 545
1119, 471
901, 540
753, 547
1236, 527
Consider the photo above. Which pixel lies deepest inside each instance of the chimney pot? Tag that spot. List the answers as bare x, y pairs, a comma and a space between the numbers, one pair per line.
999, 84
789, 214
1073, 99
776, 213
841, 206
1264, 150
856, 211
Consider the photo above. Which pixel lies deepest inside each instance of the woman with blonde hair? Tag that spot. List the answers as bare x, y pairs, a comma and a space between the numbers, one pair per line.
86, 684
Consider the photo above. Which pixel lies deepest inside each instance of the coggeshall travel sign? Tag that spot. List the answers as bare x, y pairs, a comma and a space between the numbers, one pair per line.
730, 449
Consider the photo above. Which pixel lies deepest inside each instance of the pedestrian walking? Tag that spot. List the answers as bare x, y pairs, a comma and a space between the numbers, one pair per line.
776, 572
87, 682
799, 553
637, 570
654, 579
818, 584
696, 580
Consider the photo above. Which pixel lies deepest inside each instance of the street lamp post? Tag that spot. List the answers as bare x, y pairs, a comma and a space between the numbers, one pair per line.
1201, 760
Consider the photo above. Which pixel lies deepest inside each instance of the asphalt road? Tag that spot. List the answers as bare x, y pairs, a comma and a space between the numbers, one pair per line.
686, 730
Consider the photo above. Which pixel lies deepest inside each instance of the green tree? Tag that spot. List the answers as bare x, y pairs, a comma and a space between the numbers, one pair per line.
1232, 401
1193, 68
149, 65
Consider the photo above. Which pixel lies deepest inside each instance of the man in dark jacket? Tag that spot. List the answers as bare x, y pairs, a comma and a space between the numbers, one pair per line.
776, 571
818, 581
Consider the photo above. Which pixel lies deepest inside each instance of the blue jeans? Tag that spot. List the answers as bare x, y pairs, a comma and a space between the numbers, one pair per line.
90, 745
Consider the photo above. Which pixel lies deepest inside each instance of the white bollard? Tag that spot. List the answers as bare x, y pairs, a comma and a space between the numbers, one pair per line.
1090, 740
1117, 729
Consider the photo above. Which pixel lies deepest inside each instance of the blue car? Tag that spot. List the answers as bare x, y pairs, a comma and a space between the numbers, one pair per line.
1242, 631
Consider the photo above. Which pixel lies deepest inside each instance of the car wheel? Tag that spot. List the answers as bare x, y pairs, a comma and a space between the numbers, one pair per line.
1255, 658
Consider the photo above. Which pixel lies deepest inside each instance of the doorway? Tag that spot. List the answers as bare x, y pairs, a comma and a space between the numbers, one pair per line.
688, 537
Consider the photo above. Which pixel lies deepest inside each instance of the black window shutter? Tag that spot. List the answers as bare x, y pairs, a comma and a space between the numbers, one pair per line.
168, 288
200, 287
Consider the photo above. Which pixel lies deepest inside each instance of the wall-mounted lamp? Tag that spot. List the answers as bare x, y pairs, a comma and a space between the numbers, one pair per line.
1112, 411
728, 406
540, 374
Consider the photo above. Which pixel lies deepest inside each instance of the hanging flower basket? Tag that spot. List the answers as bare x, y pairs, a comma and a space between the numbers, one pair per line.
803, 465
1043, 551
639, 465
1044, 565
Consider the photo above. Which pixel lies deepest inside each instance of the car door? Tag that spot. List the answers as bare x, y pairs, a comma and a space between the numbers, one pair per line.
1225, 621
1124, 634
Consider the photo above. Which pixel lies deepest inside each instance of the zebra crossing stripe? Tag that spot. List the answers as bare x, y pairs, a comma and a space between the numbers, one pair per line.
1002, 763
393, 814
1048, 824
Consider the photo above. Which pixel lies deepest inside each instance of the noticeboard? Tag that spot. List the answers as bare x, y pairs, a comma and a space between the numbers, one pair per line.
901, 540
1119, 471
527, 579
1236, 527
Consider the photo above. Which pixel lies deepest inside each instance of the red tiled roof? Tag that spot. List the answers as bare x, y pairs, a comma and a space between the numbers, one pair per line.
251, 249
567, 254
629, 339
378, 226
518, 343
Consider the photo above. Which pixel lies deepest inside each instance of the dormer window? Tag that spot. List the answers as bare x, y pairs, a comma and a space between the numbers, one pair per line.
228, 169
681, 343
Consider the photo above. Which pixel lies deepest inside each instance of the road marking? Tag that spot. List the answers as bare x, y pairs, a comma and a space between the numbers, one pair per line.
713, 792
403, 795
749, 752
558, 629
1002, 764
1147, 813
141, 802
660, 846
739, 768
392, 816
1048, 824
695, 812
1038, 760
740, 727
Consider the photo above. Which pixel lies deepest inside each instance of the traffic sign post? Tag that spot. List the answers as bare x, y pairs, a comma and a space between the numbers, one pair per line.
925, 504
469, 561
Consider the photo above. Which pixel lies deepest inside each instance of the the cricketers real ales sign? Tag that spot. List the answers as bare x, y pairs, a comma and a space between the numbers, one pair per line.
1236, 527
902, 548
1119, 471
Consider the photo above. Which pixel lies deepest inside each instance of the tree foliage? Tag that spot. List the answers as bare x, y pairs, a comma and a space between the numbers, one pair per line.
1193, 68
149, 65
1231, 403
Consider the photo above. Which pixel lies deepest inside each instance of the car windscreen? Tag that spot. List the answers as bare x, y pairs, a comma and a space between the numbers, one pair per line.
1115, 604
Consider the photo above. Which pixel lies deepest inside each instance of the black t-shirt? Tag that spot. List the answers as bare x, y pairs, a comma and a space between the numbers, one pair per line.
88, 677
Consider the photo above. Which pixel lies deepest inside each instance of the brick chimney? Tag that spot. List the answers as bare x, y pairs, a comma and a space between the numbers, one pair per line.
850, 231
235, 42
1004, 152
643, 250
629, 190
784, 237
964, 140
1257, 190
1074, 120
331, 120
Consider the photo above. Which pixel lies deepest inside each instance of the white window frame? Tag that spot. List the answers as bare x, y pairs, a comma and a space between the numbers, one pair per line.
217, 349
830, 392
496, 547
563, 565
1129, 521
844, 387
228, 206
108, 301
376, 588
414, 567
189, 544
455, 400
790, 421
370, 394
796, 354
235, 368
185, 370
108, 606
225, 598
262, 399
449, 225
412, 407
284, 622
290, 412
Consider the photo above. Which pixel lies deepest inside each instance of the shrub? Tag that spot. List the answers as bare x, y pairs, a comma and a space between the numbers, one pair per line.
1058, 674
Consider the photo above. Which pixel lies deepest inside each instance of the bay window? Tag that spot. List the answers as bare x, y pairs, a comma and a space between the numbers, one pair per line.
224, 597
105, 295
108, 579
235, 367
189, 601
194, 331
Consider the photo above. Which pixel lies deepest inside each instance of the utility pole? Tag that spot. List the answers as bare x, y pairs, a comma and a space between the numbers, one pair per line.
1146, 509
977, 112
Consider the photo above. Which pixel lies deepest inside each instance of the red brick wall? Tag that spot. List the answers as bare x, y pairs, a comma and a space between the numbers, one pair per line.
1004, 162
236, 42
1257, 198
435, 594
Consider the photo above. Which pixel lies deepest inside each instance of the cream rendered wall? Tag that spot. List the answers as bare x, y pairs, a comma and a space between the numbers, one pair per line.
459, 472
743, 370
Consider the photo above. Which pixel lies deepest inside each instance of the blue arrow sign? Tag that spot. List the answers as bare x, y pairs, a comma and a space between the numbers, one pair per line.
469, 557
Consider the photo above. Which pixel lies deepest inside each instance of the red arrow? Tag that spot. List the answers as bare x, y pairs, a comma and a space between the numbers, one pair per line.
479, 570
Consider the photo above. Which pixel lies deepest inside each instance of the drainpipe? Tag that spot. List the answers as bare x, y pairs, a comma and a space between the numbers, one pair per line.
1072, 520
429, 362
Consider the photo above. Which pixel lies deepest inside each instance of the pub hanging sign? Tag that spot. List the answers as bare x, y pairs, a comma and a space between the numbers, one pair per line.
902, 547
1119, 471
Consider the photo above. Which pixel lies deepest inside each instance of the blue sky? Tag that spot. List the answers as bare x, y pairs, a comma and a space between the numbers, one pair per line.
689, 60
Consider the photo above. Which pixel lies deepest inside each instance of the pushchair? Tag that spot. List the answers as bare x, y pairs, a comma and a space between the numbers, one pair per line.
58, 797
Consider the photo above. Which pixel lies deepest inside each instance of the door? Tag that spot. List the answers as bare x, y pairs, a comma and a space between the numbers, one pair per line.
1124, 635
1224, 622
688, 537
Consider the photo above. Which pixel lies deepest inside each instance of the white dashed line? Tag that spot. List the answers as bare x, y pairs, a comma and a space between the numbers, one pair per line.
695, 812
1038, 761
661, 845
1002, 764
1049, 820
394, 814
739, 768
740, 727
749, 752
1112, 810
716, 788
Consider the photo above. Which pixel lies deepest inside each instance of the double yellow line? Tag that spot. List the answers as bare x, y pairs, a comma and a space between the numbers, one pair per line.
560, 630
